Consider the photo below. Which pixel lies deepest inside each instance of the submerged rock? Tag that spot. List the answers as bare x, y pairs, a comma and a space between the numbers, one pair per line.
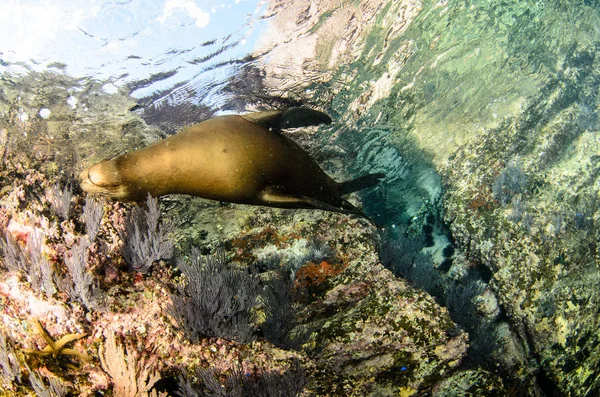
358, 329
523, 201
370, 332
501, 102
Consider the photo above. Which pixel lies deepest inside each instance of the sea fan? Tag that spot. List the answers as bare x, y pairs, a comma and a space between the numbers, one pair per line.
214, 299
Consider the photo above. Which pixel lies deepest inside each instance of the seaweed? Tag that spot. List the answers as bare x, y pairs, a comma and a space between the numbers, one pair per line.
239, 384
145, 238
214, 299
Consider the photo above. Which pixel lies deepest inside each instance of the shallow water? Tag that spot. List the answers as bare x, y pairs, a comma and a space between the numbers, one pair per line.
481, 114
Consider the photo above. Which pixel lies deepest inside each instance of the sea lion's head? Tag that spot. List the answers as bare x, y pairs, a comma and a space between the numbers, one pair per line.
104, 178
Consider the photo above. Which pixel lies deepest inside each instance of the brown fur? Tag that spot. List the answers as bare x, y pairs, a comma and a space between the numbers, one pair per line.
227, 158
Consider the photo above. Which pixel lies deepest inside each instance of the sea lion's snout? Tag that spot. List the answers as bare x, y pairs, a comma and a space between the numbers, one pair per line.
103, 178
101, 174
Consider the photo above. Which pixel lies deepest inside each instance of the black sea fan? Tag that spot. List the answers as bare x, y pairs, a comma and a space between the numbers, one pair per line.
60, 200
146, 237
214, 299
281, 327
238, 384
80, 284
10, 368
29, 260
93, 211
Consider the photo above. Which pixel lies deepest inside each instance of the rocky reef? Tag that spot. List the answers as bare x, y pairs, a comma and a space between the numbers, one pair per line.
522, 200
484, 118
82, 314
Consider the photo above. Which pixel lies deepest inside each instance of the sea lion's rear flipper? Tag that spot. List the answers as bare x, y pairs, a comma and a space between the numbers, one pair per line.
360, 183
277, 199
349, 208
289, 118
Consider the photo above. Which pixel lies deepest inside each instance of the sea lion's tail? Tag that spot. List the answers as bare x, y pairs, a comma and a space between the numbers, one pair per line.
362, 182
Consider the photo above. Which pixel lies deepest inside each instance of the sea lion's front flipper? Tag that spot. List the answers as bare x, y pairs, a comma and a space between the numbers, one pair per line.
271, 196
277, 199
289, 118
274, 198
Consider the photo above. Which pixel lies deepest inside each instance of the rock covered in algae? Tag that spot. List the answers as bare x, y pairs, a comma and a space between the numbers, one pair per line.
523, 200
370, 333
502, 100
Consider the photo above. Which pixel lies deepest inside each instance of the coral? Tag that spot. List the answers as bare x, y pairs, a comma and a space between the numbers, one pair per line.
239, 384
281, 312
14, 256
30, 260
145, 238
55, 387
214, 299
93, 212
80, 284
60, 200
130, 377
10, 369
40, 268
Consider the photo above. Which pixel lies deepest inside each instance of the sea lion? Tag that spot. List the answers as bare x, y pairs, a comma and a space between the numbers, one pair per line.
239, 159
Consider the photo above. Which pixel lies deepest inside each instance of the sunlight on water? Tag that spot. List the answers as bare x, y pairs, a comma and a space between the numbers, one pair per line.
160, 43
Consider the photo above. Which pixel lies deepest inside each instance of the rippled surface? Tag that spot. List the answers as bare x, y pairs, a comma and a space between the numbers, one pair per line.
145, 45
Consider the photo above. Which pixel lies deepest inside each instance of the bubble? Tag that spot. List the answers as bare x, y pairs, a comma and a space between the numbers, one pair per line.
110, 88
45, 113
72, 101
23, 117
